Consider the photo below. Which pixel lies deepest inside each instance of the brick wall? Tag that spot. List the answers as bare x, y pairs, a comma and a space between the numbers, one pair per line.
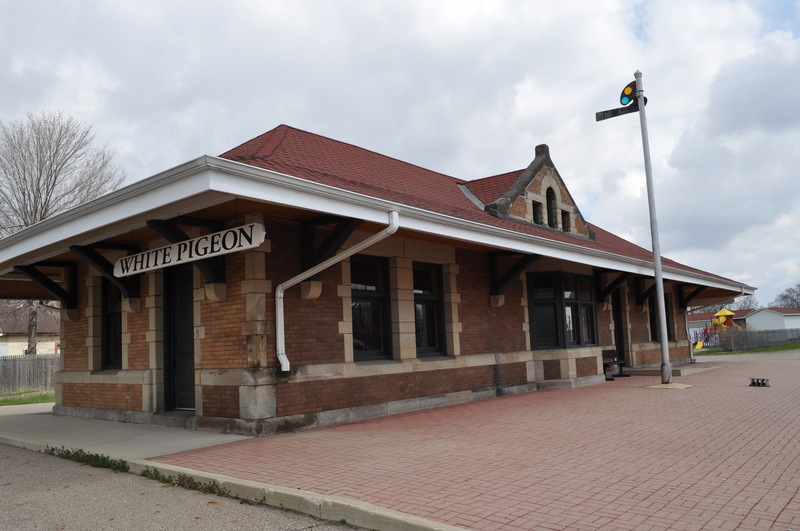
312, 326
586, 366
221, 401
551, 369
73, 344
107, 396
605, 335
486, 329
138, 323
323, 395
512, 374
224, 345
519, 208
652, 356
639, 320
545, 178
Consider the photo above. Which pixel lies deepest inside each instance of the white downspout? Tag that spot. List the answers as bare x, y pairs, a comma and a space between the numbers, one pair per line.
280, 335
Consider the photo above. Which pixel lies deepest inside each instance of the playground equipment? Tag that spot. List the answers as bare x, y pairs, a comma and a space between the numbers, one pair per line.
722, 321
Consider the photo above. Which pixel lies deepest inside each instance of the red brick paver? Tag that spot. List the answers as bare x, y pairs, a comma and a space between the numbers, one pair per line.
718, 455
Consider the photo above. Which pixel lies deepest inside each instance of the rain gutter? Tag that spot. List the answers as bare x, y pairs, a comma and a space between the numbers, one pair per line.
280, 333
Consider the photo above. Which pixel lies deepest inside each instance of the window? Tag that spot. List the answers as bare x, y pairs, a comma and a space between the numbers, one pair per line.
370, 304
111, 326
562, 310
552, 211
428, 309
537, 212
565, 226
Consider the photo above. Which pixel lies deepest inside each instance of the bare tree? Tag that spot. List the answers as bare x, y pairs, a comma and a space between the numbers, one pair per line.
788, 298
712, 308
49, 164
747, 302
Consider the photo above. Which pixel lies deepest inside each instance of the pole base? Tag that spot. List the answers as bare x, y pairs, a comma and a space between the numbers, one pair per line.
666, 373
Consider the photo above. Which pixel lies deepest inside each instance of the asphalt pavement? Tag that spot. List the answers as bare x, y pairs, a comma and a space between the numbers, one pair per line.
43, 492
34, 427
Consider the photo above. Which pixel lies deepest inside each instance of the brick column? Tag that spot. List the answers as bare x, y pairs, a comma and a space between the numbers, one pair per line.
404, 342
256, 390
451, 300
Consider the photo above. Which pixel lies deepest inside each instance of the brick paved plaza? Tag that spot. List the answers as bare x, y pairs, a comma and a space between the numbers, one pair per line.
717, 455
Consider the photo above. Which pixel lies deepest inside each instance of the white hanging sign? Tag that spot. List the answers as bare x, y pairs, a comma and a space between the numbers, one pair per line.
219, 243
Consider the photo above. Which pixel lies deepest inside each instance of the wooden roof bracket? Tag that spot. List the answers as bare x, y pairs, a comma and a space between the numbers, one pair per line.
67, 296
500, 281
643, 294
213, 269
313, 254
129, 287
604, 291
684, 300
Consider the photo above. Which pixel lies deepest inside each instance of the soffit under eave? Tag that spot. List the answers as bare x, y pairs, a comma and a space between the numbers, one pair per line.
22, 288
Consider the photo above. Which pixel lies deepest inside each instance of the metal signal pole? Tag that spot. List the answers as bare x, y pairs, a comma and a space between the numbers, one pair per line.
666, 368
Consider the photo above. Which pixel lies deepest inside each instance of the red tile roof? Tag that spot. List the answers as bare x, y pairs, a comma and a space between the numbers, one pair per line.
489, 189
785, 311
322, 160
325, 161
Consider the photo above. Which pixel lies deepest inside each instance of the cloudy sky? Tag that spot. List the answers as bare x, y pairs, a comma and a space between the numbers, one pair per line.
467, 88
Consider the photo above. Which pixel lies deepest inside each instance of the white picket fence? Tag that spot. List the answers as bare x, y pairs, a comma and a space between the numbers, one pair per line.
27, 373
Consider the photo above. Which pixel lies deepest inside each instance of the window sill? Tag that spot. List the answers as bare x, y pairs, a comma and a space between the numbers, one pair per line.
106, 372
364, 363
434, 356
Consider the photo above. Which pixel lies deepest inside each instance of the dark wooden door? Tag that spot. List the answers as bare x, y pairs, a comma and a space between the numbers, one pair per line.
619, 325
178, 338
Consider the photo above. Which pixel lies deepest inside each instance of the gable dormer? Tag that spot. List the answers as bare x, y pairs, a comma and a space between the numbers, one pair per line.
536, 195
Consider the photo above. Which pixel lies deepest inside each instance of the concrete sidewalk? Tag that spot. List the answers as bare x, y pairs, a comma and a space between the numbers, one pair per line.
35, 428
712, 453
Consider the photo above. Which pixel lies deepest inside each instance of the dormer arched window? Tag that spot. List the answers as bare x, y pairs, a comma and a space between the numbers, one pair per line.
552, 219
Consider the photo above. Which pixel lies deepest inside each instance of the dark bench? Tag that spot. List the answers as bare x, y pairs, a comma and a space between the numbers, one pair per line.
610, 359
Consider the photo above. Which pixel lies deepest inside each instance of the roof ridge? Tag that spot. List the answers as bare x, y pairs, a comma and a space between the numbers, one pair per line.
286, 129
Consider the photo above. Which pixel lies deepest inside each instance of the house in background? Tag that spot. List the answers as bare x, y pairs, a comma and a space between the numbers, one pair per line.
14, 330
748, 319
773, 319
296, 280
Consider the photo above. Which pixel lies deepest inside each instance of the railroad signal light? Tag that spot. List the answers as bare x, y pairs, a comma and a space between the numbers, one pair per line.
629, 101
628, 93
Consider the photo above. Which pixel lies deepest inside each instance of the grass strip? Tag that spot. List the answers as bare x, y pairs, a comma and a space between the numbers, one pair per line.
187, 482
87, 458
19, 399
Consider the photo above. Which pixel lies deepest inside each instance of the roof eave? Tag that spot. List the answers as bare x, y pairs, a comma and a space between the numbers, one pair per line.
210, 180
426, 221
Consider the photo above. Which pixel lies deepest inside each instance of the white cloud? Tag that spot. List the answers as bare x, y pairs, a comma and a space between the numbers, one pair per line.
468, 88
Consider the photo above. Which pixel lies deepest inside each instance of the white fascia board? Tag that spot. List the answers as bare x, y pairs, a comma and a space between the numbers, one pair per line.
207, 181
124, 209
268, 185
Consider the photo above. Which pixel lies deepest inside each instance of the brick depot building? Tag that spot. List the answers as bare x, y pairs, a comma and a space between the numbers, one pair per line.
296, 281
